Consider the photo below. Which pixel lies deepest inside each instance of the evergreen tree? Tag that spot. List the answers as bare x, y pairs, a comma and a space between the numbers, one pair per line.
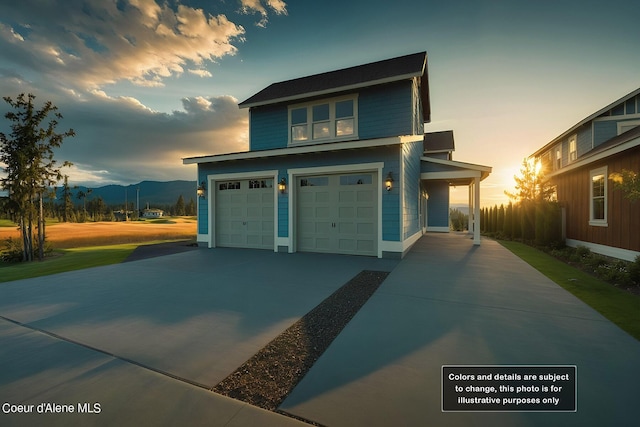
30, 168
180, 209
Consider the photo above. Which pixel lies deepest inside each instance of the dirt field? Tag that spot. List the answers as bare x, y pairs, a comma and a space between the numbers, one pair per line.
73, 235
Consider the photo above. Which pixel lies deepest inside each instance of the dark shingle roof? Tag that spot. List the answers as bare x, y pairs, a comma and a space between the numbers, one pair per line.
439, 141
385, 71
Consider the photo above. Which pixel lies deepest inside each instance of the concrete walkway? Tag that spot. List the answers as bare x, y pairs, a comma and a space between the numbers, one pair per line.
449, 302
146, 339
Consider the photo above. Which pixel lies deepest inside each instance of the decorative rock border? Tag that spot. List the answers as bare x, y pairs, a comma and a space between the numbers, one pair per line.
268, 377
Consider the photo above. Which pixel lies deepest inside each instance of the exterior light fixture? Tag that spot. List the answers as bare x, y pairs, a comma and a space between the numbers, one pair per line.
282, 185
388, 182
202, 190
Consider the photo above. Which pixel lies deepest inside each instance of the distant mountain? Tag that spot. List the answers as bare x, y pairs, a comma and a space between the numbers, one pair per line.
156, 194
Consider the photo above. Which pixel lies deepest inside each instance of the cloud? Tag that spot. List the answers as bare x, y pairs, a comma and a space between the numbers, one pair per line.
94, 43
120, 140
256, 6
133, 143
74, 52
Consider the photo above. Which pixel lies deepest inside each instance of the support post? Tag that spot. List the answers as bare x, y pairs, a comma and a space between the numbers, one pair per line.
476, 211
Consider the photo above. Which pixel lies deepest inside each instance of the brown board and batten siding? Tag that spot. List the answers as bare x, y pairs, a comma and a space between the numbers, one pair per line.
623, 216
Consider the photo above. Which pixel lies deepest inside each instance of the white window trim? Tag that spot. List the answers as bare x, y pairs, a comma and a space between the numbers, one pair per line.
592, 173
557, 151
332, 120
622, 123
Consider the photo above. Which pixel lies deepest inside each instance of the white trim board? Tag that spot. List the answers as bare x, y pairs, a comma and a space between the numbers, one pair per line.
304, 149
625, 254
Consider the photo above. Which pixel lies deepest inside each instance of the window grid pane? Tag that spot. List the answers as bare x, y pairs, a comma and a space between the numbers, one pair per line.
299, 116
321, 130
320, 112
344, 109
344, 127
299, 133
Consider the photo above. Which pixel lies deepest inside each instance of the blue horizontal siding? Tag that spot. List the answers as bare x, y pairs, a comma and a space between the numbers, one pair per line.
411, 186
385, 111
438, 203
268, 128
603, 131
390, 200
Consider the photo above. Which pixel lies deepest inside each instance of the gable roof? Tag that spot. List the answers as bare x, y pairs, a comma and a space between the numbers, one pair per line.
386, 71
586, 120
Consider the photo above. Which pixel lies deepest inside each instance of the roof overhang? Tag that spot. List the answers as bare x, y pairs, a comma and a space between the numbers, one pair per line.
304, 149
584, 121
460, 173
330, 91
600, 155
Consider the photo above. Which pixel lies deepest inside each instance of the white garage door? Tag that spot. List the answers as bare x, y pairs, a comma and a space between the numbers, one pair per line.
338, 213
244, 213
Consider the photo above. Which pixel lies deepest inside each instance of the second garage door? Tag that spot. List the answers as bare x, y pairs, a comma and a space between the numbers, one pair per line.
244, 213
338, 213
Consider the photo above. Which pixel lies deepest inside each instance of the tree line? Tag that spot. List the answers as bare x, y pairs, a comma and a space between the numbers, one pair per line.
30, 175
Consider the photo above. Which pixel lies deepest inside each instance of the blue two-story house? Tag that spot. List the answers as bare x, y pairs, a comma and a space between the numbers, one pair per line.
338, 162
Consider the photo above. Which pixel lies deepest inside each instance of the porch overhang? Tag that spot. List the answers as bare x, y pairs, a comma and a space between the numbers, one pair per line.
459, 174
456, 173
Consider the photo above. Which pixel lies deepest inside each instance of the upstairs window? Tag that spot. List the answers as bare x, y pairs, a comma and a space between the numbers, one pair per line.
573, 148
323, 121
558, 157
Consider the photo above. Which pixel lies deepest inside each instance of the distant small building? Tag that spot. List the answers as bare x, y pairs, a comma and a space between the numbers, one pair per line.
152, 213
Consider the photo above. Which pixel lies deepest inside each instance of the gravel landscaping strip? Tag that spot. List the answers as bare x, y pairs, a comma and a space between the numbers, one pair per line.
268, 377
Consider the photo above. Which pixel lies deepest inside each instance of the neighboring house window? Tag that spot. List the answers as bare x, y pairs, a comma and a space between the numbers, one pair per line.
323, 121
573, 148
598, 197
558, 162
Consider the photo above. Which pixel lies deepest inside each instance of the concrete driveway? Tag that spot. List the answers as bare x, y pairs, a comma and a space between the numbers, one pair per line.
146, 340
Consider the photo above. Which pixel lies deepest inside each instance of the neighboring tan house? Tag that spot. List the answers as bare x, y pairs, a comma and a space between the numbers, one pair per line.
336, 164
579, 163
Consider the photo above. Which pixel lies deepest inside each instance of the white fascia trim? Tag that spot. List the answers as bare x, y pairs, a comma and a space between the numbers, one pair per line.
294, 173
625, 254
457, 164
332, 90
602, 155
450, 175
315, 148
211, 190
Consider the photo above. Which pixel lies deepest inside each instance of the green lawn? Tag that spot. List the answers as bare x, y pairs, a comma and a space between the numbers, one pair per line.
68, 260
619, 306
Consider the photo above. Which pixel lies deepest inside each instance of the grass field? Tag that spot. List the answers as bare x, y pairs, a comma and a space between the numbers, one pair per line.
619, 306
77, 235
67, 260
92, 244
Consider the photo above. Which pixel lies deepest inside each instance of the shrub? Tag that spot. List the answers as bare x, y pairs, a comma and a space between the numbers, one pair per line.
583, 251
634, 271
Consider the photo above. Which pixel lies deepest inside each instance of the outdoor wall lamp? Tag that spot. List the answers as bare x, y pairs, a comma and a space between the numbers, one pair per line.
388, 183
202, 189
282, 185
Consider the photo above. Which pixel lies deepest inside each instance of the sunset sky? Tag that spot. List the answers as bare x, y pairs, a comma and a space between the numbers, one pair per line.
145, 83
